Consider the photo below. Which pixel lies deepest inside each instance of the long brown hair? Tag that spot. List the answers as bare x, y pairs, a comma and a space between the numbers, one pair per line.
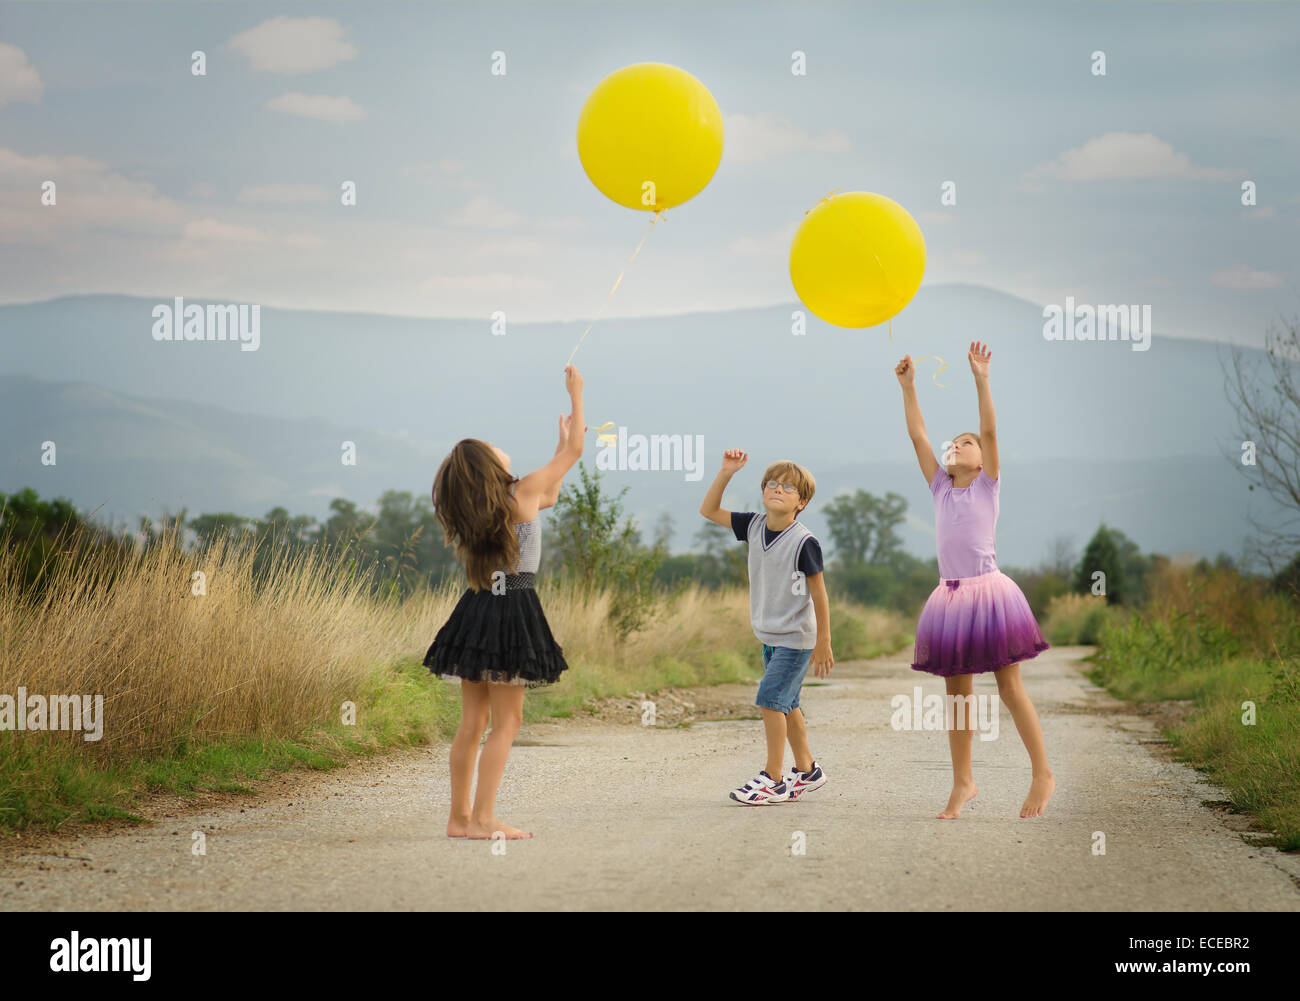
471, 500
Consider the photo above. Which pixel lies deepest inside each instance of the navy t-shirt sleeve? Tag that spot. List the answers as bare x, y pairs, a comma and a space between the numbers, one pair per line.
740, 524
810, 557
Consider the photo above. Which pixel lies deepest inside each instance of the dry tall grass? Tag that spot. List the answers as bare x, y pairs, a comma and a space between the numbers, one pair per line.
175, 666
276, 657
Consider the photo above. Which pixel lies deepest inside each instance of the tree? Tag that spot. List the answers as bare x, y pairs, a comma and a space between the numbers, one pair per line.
862, 527
1060, 557
207, 527
597, 552
725, 562
1102, 553
1269, 454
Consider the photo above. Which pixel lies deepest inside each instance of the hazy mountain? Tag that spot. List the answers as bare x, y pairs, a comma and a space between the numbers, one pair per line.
1088, 430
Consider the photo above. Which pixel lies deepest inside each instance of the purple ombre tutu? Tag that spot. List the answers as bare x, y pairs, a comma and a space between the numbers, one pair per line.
975, 624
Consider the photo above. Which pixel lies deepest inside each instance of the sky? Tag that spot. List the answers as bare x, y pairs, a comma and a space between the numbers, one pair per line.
1117, 188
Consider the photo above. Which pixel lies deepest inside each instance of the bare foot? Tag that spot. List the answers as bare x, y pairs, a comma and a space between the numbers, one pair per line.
1040, 791
962, 793
457, 828
481, 832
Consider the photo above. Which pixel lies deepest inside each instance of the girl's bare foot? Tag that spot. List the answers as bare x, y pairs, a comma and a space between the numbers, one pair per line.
1040, 791
482, 831
962, 793
457, 828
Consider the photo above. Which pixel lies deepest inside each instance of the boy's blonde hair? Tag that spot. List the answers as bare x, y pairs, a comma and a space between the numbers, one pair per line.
794, 473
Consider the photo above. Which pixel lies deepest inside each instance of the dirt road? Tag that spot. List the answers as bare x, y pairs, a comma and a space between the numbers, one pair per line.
632, 817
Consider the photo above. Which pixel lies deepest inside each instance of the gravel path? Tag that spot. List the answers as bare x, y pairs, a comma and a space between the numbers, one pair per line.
633, 817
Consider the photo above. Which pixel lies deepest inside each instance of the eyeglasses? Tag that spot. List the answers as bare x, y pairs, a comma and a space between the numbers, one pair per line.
785, 488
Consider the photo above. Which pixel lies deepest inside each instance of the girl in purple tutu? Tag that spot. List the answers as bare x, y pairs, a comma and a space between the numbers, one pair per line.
977, 619
496, 642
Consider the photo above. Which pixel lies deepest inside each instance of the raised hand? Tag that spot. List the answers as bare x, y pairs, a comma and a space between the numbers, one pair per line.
979, 356
733, 459
566, 420
572, 380
906, 371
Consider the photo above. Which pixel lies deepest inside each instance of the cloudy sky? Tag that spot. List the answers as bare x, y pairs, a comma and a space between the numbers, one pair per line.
1117, 188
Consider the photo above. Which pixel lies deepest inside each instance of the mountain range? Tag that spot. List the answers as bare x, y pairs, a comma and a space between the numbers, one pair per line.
1089, 431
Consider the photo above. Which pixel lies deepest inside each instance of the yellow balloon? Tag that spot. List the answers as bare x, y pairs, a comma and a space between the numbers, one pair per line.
857, 259
650, 136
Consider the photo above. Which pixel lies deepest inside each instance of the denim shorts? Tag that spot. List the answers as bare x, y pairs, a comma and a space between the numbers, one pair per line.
783, 671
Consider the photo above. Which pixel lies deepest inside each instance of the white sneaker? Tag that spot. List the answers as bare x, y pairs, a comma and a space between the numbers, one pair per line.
798, 782
761, 790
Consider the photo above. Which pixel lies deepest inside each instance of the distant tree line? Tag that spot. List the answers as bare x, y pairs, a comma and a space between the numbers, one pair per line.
590, 543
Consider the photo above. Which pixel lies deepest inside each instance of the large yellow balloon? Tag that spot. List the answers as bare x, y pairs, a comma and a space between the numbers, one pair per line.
857, 259
650, 136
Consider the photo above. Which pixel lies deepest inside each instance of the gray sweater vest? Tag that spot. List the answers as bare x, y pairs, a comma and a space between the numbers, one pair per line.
780, 607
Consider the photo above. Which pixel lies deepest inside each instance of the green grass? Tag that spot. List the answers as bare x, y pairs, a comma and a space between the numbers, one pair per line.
48, 780
1153, 658
45, 782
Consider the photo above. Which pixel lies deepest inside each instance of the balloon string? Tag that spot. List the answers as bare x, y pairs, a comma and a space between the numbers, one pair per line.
614, 289
942, 365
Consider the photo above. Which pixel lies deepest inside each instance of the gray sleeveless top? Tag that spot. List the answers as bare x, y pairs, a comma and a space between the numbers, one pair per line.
529, 534
781, 613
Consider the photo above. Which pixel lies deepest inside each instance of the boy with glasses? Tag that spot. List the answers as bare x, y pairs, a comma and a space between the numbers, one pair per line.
790, 615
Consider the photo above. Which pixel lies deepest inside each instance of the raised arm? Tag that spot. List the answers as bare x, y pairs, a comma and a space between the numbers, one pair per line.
732, 460
906, 372
541, 488
979, 356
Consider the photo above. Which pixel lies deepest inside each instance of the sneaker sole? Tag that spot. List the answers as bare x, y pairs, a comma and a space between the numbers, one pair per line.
770, 801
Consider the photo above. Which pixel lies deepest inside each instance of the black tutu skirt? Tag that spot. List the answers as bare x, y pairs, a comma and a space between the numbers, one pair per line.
502, 638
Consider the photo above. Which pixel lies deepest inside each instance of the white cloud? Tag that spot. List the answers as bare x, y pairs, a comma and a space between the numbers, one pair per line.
1125, 156
446, 166
509, 248
448, 170
772, 244
318, 106
305, 241
765, 136
496, 281
88, 195
1264, 212
293, 45
214, 229
283, 194
19, 80
561, 224
1246, 279
484, 213
45, 165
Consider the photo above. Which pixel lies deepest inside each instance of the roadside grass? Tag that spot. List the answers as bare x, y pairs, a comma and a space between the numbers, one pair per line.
1230, 646
213, 677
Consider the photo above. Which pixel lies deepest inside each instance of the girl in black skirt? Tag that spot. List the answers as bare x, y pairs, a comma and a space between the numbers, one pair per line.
496, 641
